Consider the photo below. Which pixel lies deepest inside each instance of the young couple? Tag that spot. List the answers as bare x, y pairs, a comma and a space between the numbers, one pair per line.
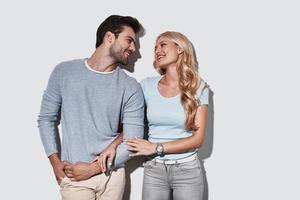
101, 112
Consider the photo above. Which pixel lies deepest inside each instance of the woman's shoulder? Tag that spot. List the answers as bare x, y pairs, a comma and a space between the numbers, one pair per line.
149, 81
203, 85
148, 85
203, 92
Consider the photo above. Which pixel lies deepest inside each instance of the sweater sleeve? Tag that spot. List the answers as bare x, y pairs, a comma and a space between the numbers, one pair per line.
48, 118
133, 122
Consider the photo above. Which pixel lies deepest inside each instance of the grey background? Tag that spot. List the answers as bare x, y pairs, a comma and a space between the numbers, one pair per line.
248, 52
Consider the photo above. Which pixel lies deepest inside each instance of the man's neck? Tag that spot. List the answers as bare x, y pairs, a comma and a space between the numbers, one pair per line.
101, 61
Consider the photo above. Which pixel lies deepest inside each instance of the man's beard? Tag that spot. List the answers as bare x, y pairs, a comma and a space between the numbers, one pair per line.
118, 55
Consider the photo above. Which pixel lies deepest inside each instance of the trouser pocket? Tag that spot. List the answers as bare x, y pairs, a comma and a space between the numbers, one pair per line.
191, 171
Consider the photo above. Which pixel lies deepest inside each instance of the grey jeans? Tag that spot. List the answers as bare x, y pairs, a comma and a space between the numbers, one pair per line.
181, 181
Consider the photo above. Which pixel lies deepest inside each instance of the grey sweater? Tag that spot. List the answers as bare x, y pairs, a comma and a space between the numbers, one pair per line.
91, 108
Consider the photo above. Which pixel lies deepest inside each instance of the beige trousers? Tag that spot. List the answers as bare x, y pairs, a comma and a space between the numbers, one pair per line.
99, 187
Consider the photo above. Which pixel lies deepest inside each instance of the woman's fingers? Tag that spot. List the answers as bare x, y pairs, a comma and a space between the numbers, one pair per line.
135, 146
134, 143
136, 140
134, 154
130, 148
140, 140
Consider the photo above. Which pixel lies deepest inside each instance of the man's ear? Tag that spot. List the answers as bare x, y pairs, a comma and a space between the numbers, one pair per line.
109, 37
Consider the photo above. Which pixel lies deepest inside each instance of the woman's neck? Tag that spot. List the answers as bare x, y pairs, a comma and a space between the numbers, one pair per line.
171, 77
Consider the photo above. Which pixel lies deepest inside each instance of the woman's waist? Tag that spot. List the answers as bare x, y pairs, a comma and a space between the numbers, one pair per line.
161, 137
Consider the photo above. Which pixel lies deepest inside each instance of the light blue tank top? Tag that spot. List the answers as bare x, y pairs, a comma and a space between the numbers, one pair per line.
166, 115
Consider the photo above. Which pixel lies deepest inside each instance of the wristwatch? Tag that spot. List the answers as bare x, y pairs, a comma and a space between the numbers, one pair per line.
159, 149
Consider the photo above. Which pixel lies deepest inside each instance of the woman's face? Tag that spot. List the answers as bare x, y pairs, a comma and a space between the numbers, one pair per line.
166, 53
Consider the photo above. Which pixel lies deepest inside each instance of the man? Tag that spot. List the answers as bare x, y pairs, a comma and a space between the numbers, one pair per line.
95, 101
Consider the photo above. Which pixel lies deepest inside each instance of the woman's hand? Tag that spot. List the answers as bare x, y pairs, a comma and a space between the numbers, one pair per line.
140, 147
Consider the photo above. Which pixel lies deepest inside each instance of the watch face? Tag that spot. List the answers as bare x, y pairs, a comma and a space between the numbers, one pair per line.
160, 149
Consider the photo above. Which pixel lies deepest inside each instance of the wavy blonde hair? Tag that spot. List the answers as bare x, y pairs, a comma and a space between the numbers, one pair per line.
189, 78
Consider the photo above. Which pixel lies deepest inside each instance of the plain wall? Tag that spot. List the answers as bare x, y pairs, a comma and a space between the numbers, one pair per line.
248, 52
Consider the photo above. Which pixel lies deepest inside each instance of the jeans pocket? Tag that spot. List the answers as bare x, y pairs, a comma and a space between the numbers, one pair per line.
148, 164
191, 165
191, 172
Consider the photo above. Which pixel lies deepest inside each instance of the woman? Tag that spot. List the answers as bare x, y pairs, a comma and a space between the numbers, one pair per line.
177, 114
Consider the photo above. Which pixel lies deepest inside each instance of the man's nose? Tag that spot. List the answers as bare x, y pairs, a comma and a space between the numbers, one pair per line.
132, 47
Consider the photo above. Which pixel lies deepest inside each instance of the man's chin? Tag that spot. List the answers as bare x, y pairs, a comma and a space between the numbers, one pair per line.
124, 62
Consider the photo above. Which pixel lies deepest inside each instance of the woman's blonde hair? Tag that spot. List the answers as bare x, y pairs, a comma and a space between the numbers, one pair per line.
189, 78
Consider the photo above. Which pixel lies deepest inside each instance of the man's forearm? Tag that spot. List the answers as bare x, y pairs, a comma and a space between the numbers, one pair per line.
118, 140
54, 159
49, 113
95, 168
132, 131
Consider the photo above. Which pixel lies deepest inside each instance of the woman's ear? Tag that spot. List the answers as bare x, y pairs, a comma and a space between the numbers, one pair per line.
179, 50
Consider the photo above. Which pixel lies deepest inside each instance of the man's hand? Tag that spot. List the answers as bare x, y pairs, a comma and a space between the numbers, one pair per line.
106, 158
59, 171
81, 171
58, 167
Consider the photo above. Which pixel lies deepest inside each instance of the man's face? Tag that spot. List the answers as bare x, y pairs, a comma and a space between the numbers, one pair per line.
123, 46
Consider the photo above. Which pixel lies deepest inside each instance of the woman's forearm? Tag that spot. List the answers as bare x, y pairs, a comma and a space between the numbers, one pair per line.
195, 140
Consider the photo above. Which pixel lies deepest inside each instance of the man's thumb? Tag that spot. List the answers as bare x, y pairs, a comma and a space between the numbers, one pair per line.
65, 162
109, 162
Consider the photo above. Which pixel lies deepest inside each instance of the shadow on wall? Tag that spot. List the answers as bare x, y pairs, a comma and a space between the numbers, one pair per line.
206, 150
136, 55
131, 166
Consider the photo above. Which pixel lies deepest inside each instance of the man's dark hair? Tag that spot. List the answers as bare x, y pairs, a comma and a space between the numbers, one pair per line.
115, 24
